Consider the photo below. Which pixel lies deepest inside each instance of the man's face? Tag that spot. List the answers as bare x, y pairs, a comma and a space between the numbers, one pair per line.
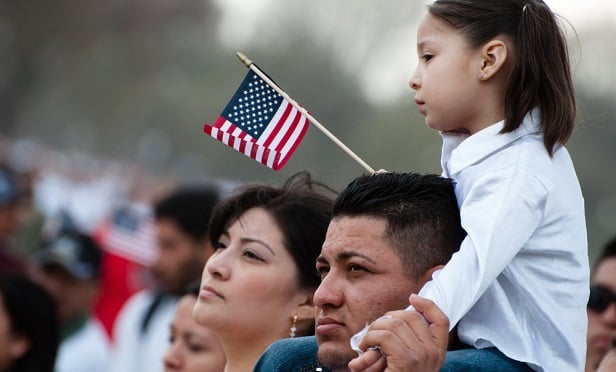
601, 325
74, 297
362, 278
180, 259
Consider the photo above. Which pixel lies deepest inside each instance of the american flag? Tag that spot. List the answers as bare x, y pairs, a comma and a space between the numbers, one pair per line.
260, 123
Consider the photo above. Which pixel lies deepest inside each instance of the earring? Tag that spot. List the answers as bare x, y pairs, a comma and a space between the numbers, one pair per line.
481, 75
293, 328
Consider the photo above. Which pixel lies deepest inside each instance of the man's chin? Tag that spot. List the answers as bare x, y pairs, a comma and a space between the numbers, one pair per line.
335, 355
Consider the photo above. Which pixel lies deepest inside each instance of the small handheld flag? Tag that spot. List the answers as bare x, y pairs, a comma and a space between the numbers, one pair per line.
263, 122
260, 123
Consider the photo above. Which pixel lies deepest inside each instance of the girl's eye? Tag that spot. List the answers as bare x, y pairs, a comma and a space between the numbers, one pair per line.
426, 57
220, 245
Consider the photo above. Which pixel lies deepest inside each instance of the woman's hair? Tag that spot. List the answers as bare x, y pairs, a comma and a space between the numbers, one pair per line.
32, 315
541, 74
302, 212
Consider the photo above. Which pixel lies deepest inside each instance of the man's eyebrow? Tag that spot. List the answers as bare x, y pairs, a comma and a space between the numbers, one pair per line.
345, 256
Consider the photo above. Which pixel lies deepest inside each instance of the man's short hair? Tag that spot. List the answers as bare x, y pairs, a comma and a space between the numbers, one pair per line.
421, 212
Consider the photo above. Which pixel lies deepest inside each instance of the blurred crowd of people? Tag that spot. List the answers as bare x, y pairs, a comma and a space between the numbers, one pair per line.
101, 265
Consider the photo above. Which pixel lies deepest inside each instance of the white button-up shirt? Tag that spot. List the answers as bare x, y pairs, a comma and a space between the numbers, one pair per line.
520, 281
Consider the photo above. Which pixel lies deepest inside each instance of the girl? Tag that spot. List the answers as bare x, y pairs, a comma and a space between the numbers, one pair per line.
257, 287
494, 79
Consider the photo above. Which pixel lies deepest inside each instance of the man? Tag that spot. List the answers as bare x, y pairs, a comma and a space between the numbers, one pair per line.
69, 268
141, 331
10, 258
601, 307
389, 233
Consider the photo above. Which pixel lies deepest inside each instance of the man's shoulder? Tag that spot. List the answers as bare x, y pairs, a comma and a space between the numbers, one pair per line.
290, 354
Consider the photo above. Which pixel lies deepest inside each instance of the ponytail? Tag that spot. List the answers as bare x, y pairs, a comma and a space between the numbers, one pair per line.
541, 76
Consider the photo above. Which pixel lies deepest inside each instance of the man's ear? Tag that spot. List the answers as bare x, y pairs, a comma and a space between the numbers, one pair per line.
427, 276
493, 57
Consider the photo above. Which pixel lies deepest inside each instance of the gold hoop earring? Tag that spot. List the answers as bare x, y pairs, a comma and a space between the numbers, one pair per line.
293, 327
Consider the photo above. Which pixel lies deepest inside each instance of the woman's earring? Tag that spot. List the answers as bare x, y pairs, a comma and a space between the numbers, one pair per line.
481, 75
293, 328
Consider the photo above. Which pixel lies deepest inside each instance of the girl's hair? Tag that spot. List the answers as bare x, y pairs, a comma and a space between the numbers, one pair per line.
541, 75
32, 314
301, 210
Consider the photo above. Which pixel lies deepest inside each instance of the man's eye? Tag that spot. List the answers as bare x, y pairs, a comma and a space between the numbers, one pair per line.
353, 268
322, 271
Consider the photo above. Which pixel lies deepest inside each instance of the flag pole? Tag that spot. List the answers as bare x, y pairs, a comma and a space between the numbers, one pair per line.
246, 61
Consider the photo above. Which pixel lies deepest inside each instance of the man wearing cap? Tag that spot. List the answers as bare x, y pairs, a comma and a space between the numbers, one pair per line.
10, 260
69, 267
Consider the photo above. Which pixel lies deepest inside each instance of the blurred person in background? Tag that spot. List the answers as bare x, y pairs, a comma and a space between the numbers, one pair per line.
29, 333
257, 287
141, 330
192, 348
10, 258
601, 307
68, 266
608, 363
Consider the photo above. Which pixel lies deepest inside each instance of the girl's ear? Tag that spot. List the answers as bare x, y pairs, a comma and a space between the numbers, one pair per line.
493, 57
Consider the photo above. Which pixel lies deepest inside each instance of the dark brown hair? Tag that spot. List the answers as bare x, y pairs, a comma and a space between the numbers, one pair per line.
541, 75
421, 212
301, 208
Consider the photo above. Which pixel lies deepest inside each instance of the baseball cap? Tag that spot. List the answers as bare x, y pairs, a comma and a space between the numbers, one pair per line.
75, 252
8, 187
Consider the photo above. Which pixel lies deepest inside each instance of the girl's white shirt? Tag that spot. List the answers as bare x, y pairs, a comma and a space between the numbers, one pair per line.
520, 281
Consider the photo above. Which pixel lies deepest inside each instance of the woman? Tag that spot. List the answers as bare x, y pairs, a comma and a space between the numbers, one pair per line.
29, 335
257, 287
193, 348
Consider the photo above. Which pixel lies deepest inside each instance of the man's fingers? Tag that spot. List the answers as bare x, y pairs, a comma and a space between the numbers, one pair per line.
438, 321
368, 361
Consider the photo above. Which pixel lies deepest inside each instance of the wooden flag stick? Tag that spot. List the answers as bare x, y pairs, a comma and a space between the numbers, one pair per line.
314, 121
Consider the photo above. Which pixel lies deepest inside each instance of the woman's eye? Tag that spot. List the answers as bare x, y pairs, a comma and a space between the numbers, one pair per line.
426, 57
220, 245
252, 255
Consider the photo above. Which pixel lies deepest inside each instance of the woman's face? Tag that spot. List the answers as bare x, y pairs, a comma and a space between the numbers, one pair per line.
249, 286
193, 348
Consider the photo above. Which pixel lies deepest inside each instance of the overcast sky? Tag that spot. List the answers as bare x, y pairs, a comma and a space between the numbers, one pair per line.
386, 71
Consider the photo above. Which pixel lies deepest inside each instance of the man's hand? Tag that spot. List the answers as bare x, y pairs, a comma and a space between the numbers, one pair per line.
406, 340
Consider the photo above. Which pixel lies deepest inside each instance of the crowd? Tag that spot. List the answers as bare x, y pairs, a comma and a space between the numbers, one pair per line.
483, 268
